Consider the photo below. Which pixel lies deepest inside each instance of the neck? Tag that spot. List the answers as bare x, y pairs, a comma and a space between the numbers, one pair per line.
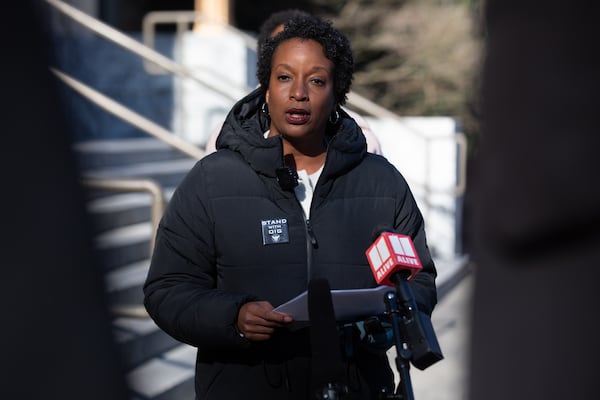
309, 164
310, 158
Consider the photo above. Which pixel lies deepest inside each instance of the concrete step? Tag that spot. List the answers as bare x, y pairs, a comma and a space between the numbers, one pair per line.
121, 209
96, 154
140, 340
124, 284
113, 211
122, 229
167, 377
124, 245
167, 173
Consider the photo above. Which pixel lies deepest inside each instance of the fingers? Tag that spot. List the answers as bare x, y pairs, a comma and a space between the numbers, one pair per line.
257, 320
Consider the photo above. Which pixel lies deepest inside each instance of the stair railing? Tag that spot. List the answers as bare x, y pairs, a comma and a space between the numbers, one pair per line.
135, 185
156, 212
130, 116
182, 19
132, 45
233, 93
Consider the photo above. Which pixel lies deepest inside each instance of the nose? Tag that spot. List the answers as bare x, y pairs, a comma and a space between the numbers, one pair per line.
299, 91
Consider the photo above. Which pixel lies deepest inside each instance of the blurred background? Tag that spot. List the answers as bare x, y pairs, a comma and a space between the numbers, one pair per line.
107, 104
142, 85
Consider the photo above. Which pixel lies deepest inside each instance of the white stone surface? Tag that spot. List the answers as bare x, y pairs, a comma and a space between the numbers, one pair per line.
129, 234
425, 151
128, 276
220, 57
144, 169
143, 380
139, 326
184, 355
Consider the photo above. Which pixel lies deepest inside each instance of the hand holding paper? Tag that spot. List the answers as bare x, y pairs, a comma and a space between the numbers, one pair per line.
348, 305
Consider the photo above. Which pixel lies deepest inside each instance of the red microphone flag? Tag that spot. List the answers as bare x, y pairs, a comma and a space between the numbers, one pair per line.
392, 252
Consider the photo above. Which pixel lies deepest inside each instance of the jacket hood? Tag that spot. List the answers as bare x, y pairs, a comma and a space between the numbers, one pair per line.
243, 132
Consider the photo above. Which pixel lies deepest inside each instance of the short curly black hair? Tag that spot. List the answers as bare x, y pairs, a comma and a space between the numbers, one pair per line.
336, 47
276, 19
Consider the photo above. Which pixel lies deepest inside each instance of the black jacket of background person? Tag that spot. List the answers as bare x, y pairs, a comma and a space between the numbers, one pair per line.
210, 258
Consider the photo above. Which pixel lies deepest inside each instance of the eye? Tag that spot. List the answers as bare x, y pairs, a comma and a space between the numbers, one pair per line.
318, 81
283, 77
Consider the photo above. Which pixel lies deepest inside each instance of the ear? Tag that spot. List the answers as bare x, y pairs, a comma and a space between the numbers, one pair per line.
267, 95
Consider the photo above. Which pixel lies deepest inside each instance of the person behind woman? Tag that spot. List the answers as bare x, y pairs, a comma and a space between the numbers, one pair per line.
269, 28
238, 239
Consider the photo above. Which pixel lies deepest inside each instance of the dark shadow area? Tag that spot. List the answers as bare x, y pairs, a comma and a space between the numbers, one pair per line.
56, 338
535, 197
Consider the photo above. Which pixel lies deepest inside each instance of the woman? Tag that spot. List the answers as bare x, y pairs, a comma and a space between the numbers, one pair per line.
269, 28
241, 236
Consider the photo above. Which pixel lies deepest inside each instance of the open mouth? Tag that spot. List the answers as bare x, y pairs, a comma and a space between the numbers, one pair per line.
297, 116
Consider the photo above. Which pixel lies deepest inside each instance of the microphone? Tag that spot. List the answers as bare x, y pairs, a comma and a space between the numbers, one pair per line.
287, 176
394, 262
327, 370
390, 254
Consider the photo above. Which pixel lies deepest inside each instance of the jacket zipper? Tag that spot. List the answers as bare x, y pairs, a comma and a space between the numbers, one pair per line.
311, 242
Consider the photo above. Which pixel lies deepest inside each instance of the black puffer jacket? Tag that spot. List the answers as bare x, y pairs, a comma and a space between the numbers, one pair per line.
214, 251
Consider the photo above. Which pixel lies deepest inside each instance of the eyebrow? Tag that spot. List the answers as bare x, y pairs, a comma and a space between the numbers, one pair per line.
318, 67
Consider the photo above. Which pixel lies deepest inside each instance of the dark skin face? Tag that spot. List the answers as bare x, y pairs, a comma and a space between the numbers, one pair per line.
300, 98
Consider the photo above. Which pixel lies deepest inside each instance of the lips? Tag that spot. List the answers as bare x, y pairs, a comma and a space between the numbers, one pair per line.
297, 116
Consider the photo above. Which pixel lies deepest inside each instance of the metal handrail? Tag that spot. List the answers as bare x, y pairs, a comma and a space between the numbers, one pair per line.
130, 116
233, 92
134, 185
223, 88
130, 311
181, 19
156, 212
366, 105
121, 39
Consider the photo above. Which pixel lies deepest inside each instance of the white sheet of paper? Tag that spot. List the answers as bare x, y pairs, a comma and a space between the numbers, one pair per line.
348, 305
